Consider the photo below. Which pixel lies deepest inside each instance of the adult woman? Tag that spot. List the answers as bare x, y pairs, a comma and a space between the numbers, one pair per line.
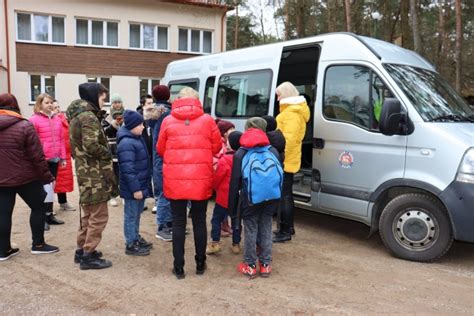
65, 179
23, 171
50, 131
187, 142
294, 114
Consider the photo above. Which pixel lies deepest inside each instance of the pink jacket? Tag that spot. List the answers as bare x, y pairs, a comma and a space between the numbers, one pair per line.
50, 132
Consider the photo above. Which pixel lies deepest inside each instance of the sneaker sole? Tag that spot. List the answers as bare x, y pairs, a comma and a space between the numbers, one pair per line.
40, 252
138, 254
162, 238
9, 256
95, 268
265, 275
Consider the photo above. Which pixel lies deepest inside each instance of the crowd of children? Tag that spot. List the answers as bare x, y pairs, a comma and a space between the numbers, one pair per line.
188, 155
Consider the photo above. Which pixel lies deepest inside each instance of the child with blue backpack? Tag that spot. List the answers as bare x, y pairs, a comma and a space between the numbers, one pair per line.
257, 176
135, 175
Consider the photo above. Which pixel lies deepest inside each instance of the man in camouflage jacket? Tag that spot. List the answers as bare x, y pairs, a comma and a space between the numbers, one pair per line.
94, 172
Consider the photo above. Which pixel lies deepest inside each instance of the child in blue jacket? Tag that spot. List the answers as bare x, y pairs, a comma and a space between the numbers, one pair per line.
135, 173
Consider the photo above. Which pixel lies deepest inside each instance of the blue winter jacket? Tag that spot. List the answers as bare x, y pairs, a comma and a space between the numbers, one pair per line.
134, 165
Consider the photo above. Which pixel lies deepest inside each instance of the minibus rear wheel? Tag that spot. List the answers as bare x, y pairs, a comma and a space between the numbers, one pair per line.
416, 227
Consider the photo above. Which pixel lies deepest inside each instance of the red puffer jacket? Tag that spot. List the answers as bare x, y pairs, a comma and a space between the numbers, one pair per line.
21, 154
222, 178
187, 142
64, 179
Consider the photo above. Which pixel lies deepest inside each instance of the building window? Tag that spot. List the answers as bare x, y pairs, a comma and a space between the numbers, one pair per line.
40, 28
195, 41
146, 86
41, 84
244, 94
148, 36
103, 80
96, 33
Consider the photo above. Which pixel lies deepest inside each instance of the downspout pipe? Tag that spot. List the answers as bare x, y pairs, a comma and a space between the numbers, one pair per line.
223, 26
5, 5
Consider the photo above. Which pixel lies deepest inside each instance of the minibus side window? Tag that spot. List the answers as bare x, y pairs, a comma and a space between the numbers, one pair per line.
175, 87
208, 94
244, 94
354, 94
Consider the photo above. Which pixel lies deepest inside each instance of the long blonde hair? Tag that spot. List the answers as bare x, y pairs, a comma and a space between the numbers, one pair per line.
287, 90
39, 100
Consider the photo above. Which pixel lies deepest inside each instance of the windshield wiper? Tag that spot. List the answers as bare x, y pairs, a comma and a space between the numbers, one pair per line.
452, 118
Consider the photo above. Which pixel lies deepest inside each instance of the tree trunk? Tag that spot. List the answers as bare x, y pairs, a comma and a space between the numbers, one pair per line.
441, 49
415, 26
300, 20
236, 26
347, 6
404, 23
457, 54
331, 8
287, 20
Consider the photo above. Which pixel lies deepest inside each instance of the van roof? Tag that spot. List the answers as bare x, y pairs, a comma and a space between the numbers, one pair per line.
335, 46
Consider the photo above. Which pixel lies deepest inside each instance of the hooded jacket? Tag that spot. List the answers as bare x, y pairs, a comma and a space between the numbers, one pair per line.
222, 178
187, 142
21, 154
253, 137
50, 132
93, 160
65, 179
294, 114
134, 165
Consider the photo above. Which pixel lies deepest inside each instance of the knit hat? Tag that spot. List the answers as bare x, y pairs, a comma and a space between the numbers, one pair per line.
116, 98
256, 122
271, 123
9, 102
234, 140
161, 92
132, 119
224, 126
114, 113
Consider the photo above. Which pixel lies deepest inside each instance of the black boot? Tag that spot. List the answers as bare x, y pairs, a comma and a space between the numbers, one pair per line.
80, 252
283, 234
201, 265
90, 261
52, 220
179, 273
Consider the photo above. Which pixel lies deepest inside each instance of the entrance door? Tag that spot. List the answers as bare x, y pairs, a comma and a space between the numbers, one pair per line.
356, 158
299, 65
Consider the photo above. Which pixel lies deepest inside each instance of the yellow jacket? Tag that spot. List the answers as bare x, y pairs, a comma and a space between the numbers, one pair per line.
294, 114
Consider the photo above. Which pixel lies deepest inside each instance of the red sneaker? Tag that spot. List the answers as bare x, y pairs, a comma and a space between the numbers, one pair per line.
265, 270
247, 270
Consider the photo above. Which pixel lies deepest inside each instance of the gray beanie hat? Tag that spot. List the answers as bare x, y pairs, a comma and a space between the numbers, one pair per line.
116, 98
256, 122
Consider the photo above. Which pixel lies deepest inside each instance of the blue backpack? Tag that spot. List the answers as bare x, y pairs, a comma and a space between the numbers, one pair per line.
262, 175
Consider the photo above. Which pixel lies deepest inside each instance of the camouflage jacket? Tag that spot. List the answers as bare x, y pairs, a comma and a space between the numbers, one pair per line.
93, 159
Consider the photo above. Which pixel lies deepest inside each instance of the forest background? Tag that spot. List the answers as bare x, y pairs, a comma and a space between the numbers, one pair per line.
440, 30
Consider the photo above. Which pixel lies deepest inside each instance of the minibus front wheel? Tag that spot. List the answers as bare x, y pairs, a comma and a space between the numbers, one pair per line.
416, 227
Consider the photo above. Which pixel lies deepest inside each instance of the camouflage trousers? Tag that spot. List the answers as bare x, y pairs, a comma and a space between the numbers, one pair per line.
93, 221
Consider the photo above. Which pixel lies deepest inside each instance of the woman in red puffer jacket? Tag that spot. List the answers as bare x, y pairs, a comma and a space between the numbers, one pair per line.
187, 142
65, 178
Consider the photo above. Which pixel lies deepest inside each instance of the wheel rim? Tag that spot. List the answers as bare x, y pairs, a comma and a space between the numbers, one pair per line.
415, 229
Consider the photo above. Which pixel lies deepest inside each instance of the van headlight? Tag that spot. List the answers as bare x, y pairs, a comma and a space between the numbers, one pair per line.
466, 169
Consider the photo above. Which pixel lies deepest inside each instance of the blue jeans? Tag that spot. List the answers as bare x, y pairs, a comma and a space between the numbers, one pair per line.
163, 208
217, 217
131, 223
259, 225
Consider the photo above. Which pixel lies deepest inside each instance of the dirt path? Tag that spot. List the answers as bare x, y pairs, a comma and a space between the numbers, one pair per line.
330, 267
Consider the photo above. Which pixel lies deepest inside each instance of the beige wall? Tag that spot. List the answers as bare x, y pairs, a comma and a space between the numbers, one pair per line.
123, 11
3, 51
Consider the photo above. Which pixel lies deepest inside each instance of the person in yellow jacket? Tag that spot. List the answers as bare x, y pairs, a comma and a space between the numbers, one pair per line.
294, 114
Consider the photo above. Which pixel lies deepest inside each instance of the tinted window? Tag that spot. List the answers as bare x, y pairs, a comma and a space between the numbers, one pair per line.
208, 94
244, 94
354, 94
176, 87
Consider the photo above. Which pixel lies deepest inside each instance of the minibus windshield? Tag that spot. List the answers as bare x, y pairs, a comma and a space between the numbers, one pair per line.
434, 99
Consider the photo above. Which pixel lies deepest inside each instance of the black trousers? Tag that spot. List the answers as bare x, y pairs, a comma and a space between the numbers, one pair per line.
62, 198
198, 211
53, 168
287, 204
33, 194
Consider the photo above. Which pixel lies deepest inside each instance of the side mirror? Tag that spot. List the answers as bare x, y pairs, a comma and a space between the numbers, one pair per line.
394, 120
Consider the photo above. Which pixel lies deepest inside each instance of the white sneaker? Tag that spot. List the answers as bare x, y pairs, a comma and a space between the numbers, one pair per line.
66, 207
113, 203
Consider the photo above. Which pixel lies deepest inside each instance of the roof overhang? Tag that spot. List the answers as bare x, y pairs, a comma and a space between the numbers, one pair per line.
202, 3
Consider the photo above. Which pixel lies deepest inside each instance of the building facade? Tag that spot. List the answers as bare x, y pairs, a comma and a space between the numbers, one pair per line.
53, 46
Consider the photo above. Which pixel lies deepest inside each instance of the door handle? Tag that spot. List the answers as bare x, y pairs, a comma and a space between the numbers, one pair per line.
318, 143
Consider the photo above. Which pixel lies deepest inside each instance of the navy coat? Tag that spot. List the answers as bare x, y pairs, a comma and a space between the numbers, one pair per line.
134, 164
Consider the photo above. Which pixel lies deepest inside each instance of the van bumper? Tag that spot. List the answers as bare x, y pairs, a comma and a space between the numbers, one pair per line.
459, 200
